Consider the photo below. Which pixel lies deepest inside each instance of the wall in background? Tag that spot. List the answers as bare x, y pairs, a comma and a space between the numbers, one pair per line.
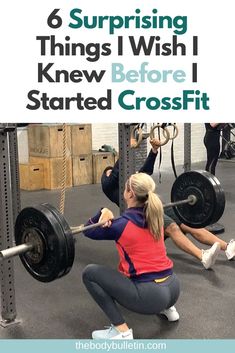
108, 134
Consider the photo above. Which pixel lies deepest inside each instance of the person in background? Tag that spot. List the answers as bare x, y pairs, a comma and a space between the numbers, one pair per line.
212, 144
173, 227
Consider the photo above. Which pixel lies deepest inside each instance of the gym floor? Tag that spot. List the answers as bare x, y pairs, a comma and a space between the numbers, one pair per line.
64, 309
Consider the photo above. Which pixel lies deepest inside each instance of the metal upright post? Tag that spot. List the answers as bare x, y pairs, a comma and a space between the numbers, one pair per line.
15, 178
7, 215
141, 152
187, 147
126, 160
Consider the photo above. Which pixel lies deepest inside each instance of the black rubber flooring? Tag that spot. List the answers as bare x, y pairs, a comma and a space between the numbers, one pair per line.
64, 309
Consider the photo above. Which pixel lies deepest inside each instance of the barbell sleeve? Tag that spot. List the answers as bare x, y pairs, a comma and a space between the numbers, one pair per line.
191, 200
15, 250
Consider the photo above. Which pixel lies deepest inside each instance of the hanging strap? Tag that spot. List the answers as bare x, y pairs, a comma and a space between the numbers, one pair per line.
160, 157
174, 135
172, 152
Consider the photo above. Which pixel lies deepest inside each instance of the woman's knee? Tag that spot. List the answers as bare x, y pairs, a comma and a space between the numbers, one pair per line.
89, 272
172, 229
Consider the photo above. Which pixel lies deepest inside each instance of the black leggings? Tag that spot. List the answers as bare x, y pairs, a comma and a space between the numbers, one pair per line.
108, 287
212, 144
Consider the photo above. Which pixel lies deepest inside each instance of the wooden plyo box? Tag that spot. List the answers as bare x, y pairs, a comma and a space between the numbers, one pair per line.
81, 139
46, 140
31, 176
100, 161
82, 170
53, 168
23, 148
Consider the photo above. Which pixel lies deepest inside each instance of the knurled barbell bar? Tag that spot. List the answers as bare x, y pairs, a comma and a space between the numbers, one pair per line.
46, 243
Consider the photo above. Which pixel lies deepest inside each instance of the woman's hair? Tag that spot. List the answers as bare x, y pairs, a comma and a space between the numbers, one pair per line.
143, 187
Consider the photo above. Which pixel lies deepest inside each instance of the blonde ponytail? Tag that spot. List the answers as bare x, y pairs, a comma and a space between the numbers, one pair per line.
154, 214
143, 186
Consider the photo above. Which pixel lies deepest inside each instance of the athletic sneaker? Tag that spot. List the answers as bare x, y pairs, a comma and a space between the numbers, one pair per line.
230, 251
209, 256
112, 333
171, 314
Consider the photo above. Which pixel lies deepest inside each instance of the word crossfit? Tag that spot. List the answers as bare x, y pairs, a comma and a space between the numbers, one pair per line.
127, 100
189, 98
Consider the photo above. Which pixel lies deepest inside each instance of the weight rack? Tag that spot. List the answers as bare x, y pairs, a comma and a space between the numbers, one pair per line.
9, 208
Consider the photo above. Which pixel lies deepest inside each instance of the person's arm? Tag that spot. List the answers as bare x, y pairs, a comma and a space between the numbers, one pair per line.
106, 216
112, 178
148, 165
113, 232
115, 171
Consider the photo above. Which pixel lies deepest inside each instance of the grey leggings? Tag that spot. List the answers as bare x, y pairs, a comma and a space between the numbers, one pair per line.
108, 287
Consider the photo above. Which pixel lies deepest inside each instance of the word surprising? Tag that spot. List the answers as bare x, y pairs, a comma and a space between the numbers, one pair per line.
178, 23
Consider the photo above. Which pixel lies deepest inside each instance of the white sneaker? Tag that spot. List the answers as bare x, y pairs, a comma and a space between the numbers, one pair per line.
209, 256
171, 314
112, 333
230, 251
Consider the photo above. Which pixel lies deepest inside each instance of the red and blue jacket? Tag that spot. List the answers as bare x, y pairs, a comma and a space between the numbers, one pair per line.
142, 258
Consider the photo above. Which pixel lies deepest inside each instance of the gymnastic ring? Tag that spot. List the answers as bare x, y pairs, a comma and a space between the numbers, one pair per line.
175, 131
166, 134
136, 130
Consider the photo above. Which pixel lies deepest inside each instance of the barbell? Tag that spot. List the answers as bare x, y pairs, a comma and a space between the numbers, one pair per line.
46, 243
